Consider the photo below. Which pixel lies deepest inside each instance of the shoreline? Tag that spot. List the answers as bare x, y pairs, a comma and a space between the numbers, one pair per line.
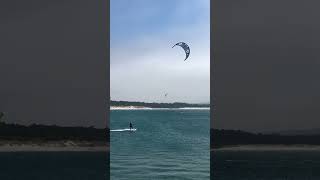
149, 108
267, 147
128, 107
54, 146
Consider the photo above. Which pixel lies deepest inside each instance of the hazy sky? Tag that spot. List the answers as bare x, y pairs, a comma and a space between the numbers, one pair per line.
53, 62
144, 66
267, 64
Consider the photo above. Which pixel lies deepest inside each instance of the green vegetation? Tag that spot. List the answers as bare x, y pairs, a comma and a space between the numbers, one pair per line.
157, 105
37, 132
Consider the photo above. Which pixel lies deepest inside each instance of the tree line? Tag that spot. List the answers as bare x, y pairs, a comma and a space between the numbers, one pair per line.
51, 133
222, 137
156, 105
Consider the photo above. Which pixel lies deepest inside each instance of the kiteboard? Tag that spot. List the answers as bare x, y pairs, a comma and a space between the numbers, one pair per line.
122, 130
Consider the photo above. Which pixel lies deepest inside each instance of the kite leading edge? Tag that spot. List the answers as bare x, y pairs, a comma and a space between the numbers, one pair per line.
185, 48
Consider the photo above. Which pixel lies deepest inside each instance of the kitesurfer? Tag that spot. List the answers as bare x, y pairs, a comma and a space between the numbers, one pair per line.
130, 126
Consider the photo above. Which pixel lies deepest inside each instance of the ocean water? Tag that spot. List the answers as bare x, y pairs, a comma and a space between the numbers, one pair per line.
265, 165
168, 144
54, 166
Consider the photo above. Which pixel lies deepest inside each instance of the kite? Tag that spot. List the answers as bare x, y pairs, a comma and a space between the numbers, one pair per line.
185, 48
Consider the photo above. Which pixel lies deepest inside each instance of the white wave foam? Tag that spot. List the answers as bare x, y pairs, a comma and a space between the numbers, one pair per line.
121, 130
195, 108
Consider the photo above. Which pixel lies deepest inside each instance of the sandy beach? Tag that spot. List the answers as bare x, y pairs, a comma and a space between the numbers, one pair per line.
128, 107
77, 146
148, 108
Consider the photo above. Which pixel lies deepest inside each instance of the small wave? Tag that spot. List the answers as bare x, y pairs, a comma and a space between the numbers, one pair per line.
195, 108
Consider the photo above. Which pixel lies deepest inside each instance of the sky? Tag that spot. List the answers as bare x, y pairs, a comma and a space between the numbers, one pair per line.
54, 62
266, 65
143, 64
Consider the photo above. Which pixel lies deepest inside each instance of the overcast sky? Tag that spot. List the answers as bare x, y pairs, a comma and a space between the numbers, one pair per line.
144, 66
53, 62
267, 64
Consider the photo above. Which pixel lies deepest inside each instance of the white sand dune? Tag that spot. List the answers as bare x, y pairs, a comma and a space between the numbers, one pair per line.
148, 108
128, 108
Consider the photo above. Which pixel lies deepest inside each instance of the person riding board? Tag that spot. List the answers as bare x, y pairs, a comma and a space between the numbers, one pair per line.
130, 126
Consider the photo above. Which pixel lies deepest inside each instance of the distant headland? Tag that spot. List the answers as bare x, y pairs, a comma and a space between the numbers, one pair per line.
145, 105
35, 137
222, 139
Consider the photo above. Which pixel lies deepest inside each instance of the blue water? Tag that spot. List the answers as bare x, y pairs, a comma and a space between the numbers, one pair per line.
168, 144
267, 165
54, 166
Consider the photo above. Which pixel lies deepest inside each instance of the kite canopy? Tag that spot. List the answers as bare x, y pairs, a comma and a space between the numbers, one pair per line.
185, 48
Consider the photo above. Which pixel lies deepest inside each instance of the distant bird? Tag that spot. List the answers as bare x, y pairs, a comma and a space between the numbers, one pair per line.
166, 95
